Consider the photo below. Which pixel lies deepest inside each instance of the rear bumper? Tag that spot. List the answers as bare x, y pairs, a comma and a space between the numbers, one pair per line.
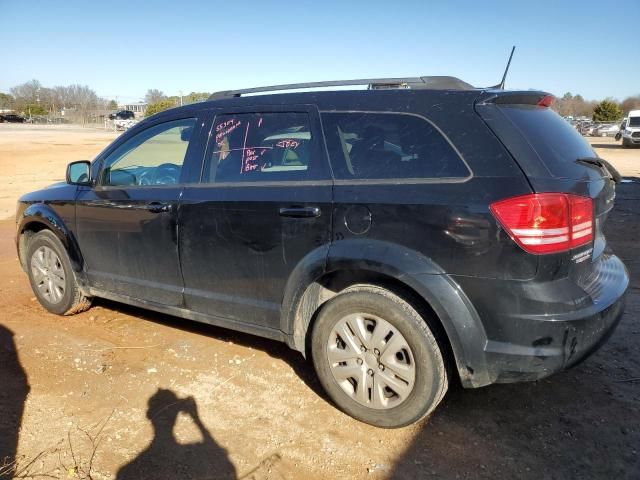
535, 329
544, 347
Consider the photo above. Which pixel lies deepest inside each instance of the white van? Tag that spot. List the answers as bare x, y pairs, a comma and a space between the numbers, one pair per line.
631, 132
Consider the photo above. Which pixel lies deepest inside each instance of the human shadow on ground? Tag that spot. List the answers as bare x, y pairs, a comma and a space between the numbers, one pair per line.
165, 458
14, 388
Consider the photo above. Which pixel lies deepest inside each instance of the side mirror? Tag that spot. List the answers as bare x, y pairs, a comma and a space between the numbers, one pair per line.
185, 134
79, 173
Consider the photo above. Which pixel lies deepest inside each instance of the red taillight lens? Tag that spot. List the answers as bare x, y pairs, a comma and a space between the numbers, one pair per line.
546, 222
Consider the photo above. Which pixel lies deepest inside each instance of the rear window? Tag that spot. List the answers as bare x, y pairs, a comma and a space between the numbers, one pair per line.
555, 141
387, 146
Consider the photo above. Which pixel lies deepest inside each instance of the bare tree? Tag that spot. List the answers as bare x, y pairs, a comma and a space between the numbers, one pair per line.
154, 95
83, 99
27, 92
630, 103
574, 105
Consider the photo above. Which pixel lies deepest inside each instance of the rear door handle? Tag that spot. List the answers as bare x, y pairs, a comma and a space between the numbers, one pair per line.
300, 212
158, 207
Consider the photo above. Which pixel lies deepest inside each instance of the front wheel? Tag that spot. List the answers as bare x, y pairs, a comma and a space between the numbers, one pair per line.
377, 358
51, 276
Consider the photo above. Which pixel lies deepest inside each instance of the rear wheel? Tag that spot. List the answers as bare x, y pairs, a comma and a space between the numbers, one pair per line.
377, 358
51, 276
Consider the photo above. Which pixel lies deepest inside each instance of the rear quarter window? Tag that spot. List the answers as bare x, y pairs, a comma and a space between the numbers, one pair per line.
379, 146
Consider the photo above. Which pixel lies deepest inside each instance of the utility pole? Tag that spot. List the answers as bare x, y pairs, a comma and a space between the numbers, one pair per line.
180, 97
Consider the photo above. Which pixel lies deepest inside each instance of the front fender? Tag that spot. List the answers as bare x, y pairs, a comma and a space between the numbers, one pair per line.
42, 215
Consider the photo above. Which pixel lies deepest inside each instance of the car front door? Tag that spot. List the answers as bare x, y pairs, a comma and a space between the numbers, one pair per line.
127, 222
263, 204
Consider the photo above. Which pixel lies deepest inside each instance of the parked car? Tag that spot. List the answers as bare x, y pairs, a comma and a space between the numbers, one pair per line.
11, 118
592, 129
585, 128
122, 115
607, 130
402, 239
631, 131
124, 124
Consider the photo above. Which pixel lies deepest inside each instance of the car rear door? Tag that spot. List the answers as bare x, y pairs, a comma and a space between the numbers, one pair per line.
263, 204
127, 222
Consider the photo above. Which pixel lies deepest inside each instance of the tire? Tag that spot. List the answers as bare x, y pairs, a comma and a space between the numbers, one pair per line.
625, 143
386, 401
51, 276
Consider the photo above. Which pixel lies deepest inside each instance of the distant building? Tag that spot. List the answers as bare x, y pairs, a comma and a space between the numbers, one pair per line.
138, 108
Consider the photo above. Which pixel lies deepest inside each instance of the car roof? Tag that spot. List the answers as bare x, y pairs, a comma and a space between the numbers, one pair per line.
407, 100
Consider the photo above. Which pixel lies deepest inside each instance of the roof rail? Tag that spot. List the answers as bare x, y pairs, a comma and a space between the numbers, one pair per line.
434, 83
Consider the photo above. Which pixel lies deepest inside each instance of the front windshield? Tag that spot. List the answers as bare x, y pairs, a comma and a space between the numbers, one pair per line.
634, 122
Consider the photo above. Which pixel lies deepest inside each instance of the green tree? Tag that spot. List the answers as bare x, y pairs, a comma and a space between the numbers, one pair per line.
607, 111
112, 105
34, 109
158, 107
194, 97
6, 100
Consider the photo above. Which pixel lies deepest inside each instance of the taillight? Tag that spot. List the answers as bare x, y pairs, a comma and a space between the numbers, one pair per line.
546, 222
546, 101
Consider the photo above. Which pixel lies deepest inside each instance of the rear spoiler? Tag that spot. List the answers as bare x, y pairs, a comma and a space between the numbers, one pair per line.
537, 98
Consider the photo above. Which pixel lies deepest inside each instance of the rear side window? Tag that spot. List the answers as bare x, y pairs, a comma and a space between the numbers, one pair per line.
250, 147
389, 145
555, 141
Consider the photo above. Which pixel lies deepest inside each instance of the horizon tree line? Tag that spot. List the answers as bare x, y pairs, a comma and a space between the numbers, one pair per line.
33, 98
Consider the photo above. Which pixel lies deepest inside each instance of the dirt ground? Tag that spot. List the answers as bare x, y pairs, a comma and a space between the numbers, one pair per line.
104, 393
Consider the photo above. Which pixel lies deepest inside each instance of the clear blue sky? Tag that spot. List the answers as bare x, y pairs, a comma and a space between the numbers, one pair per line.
124, 48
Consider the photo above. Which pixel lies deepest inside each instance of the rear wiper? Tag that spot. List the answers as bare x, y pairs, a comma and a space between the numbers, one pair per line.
603, 164
591, 161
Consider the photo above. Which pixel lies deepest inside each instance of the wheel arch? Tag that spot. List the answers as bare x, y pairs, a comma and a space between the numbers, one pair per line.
410, 274
38, 217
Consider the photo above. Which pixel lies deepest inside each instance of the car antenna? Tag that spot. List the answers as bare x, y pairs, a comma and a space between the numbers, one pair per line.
500, 86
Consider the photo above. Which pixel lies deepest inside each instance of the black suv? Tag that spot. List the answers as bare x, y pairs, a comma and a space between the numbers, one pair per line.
11, 118
409, 235
122, 115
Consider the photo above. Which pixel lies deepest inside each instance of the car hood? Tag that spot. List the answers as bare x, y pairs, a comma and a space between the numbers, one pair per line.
59, 191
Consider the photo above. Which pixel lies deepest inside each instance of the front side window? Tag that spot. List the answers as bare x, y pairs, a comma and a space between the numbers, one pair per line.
152, 157
389, 146
250, 147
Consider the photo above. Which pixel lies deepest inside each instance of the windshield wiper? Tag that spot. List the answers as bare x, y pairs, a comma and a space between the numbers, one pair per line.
604, 165
590, 161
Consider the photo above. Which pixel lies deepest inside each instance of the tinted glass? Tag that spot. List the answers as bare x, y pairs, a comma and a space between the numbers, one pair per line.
634, 121
557, 143
252, 147
152, 157
385, 146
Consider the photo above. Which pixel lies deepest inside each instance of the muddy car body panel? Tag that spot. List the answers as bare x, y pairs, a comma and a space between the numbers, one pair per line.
259, 238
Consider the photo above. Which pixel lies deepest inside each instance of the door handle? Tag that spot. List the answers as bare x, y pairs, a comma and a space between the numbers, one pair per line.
300, 212
158, 207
